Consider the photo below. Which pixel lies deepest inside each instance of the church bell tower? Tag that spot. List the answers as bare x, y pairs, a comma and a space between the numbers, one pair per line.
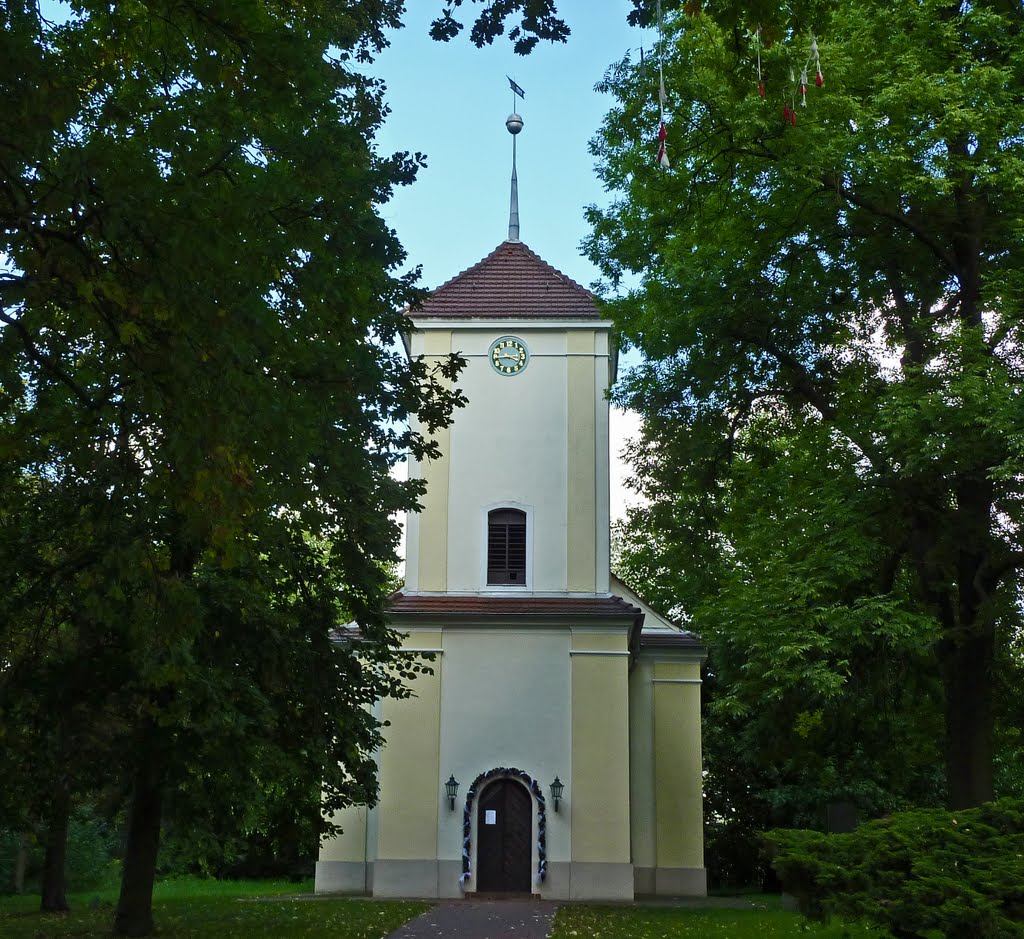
518, 503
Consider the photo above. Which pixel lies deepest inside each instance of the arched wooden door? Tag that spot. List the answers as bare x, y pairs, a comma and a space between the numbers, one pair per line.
504, 838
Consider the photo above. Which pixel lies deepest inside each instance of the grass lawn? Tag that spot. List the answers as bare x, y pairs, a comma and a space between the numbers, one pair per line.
607, 922
210, 909
198, 909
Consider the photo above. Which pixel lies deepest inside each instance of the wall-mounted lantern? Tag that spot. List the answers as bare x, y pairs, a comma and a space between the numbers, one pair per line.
451, 789
556, 791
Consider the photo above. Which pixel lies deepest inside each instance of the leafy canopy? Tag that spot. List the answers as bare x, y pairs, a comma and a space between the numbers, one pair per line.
201, 405
831, 315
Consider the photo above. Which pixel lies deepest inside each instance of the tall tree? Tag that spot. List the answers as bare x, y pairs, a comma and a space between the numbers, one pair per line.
197, 367
830, 302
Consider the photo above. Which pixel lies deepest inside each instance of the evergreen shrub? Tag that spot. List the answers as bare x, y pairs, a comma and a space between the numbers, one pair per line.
922, 873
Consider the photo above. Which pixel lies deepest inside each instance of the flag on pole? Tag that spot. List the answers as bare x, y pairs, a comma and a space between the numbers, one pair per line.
516, 89
662, 97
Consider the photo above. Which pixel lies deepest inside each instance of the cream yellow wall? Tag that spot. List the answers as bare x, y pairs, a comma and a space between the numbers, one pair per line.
677, 765
599, 794
508, 447
537, 440
581, 520
409, 770
505, 702
427, 534
351, 844
602, 376
641, 764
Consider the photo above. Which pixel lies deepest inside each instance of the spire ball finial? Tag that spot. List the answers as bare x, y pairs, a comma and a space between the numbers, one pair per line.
514, 123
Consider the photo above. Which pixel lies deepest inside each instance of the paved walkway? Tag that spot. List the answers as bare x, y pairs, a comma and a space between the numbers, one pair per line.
482, 919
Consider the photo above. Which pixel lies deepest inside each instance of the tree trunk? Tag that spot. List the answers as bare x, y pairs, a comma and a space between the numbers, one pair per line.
967, 677
20, 863
53, 897
967, 653
134, 915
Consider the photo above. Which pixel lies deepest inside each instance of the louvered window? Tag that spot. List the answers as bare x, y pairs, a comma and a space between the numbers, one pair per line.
506, 547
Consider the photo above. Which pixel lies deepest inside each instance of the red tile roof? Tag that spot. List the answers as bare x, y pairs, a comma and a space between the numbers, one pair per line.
680, 640
510, 283
479, 608
401, 603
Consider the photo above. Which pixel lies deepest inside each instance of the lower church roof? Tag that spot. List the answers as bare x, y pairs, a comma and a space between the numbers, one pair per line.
611, 606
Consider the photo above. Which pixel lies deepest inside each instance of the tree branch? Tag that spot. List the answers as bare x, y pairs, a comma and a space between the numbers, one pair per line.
806, 387
47, 362
833, 182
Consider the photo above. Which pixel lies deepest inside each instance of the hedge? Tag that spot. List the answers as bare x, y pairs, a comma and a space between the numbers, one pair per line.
922, 873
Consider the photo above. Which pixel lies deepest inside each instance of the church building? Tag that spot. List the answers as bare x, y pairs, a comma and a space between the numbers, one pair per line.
555, 750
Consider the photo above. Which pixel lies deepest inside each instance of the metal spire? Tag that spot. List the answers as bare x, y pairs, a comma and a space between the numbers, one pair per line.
514, 124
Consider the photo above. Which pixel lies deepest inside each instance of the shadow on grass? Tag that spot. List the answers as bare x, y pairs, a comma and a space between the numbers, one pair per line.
189, 908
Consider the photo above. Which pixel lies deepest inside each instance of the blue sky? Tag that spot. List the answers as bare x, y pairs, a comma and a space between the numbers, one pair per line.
450, 101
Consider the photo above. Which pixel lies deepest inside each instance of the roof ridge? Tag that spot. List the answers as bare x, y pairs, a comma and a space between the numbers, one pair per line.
471, 268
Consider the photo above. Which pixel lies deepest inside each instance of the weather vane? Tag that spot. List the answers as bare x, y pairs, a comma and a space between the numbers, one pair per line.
514, 124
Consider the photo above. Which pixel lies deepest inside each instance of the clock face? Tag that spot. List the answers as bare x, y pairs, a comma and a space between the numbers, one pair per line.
508, 355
